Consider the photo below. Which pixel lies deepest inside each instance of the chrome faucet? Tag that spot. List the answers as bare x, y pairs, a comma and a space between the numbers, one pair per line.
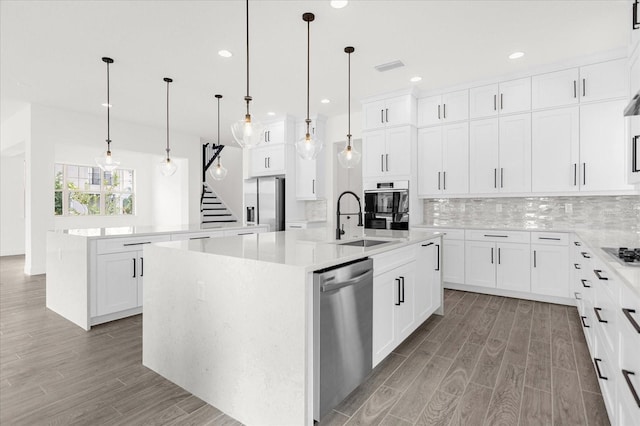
339, 231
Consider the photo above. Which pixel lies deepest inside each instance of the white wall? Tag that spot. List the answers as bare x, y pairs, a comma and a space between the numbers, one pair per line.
230, 190
12, 205
55, 134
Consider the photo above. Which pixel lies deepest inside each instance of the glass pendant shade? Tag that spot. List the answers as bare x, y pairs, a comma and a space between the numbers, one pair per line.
167, 167
218, 172
349, 157
106, 162
308, 147
247, 133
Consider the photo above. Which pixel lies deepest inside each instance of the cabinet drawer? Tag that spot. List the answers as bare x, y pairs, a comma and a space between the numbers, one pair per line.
114, 245
447, 233
498, 236
197, 235
605, 318
604, 279
386, 261
554, 238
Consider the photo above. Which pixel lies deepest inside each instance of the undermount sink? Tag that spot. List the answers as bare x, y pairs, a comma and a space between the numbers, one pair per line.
363, 243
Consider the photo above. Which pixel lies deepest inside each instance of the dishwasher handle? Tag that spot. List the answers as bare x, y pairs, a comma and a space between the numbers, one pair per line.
355, 280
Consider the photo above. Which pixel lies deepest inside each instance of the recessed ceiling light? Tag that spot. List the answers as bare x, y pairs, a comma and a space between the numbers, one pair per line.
271, 113
516, 55
415, 79
338, 4
325, 101
225, 53
107, 105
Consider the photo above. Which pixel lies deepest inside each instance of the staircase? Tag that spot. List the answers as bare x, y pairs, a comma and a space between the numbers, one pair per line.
212, 208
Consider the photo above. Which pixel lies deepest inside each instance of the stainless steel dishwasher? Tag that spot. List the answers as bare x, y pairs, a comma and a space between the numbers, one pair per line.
342, 332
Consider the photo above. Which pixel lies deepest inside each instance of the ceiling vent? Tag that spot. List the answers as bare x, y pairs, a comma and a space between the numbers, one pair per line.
389, 66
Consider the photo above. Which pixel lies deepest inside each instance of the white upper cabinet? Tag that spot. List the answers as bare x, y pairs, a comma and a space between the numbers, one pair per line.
387, 153
605, 80
483, 156
274, 133
268, 160
429, 161
310, 173
504, 98
602, 147
447, 108
554, 89
555, 150
395, 111
443, 160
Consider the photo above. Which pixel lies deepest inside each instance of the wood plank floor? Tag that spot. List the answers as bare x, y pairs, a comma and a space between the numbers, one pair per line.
489, 360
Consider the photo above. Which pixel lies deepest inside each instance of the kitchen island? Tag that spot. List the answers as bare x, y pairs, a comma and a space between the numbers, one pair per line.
95, 275
232, 320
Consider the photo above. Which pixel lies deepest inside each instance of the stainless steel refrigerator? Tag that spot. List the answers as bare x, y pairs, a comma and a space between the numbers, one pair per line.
264, 202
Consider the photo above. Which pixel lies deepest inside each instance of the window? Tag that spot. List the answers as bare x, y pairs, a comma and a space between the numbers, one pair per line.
87, 190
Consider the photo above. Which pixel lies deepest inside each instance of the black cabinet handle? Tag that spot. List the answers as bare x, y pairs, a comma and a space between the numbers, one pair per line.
549, 238
199, 238
492, 255
585, 255
575, 92
584, 87
142, 266
382, 116
634, 154
577, 243
444, 180
438, 112
438, 181
382, 162
494, 102
498, 255
313, 186
576, 295
136, 244
585, 285
501, 101
577, 266
402, 287
386, 114
584, 173
265, 162
386, 157
627, 313
245, 233
444, 110
597, 311
501, 177
535, 259
495, 178
438, 256
427, 245
626, 374
582, 318
575, 174
134, 267
399, 301
596, 361
498, 236
598, 272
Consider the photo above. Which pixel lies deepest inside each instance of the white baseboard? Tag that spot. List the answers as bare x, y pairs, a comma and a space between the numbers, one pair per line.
510, 293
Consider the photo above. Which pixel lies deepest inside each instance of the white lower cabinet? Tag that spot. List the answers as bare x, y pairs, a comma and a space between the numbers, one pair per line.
453, 261
480, 268
550, 270
119, 283
428, 270
497, 265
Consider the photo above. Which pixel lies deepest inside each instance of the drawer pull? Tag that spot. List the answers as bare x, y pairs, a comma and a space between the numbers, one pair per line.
600, 277
549, 238
136, 244
199, 238
597, 311
585, 255
246, 233
577, 243
584, 284
134, 267
427, 245
626, 374
399, 298
576, 294
582, 318
627, 313
438, 257
496, 236
577, 266
596, 361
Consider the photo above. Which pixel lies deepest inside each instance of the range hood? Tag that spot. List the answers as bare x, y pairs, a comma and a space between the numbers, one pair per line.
634, 106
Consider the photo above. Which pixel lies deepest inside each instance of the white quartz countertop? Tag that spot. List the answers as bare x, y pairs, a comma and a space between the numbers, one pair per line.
140, 231
312, 249
595, 239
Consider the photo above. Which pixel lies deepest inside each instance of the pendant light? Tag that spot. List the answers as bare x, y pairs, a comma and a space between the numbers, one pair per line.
168, 167
247, 132
349, 157
308, 146
218, 172
106, 161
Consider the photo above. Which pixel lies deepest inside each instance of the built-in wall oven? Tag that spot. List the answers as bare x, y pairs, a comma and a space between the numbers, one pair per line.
386, 205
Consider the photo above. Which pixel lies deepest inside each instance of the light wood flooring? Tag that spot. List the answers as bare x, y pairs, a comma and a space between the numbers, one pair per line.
488, 360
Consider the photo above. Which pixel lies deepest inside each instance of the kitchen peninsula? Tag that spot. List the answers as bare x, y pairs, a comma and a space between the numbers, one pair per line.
232, 320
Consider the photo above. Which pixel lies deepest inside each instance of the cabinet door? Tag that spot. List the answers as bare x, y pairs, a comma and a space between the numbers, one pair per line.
427, 268
306, 179
400, 111
429, 111
602, 147
386, 299
274, 133
453, 261
397, 160
605, 80
455, 106
373, 154
429, 161
373, 115
515, 154
455, 158
483, 156
117, 284
276, 160
513, 271
483, 101
554, 89
406, 312
555, 147
550, 270
515, 96
480, 263
258, 158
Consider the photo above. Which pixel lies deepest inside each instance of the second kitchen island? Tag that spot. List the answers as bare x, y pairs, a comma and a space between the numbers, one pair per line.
232, 320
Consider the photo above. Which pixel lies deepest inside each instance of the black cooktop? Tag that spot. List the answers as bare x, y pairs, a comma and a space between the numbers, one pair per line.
625, 255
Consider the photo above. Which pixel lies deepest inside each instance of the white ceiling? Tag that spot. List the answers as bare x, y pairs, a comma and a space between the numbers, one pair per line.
51, 50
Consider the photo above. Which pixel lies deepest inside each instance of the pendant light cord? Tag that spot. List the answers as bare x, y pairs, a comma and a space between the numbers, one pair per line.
349, 102
218, 96
308, 73
168, 118
108, 113
248, 97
